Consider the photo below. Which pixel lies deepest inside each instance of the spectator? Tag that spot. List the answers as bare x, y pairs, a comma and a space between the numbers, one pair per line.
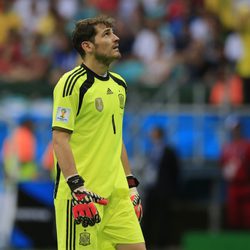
199, 27
107, 6
63, 57
48, 161
19, 152
195, 62
126, 9
51, 22
11, 54
227, 89
233, 48
67, 8
159, 68
30, 11
235, 165
147, 41
86, 9
9, 19
243, 65
19, 165
17, 65
163, 191
154, 155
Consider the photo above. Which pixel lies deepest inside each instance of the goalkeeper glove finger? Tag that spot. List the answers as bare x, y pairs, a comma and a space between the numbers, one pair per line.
136, 200
135, 197
83, 207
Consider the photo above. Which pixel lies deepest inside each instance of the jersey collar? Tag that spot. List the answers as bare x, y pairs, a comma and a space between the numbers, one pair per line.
89, 71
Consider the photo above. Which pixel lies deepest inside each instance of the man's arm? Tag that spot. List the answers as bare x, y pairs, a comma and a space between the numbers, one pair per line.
64, 153
83, 208
125, 161
132, 183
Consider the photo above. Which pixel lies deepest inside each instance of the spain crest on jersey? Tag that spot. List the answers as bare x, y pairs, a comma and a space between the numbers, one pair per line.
121, 100
84, 239
99, 104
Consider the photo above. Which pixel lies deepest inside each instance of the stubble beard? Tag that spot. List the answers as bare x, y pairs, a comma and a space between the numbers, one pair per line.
106, 60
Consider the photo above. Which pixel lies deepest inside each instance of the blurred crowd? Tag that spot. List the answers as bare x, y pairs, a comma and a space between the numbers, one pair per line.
190, 42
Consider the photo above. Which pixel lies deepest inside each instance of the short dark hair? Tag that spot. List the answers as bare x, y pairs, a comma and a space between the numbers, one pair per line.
85, 31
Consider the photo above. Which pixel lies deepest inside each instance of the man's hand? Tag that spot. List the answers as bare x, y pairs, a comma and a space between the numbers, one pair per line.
83, 207
134, 196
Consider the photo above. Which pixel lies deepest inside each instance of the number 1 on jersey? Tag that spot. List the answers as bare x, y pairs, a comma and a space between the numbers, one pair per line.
113, 123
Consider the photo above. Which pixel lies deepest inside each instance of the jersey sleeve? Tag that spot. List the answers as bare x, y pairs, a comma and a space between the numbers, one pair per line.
64, 107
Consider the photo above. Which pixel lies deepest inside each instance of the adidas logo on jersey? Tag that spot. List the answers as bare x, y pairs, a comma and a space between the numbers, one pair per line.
109, 91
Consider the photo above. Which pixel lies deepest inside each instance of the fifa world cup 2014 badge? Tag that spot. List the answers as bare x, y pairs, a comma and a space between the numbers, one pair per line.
84, 239
62, 114
121, 100
99, 104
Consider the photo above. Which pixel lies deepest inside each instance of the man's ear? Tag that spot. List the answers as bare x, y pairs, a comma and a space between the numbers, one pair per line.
87, 46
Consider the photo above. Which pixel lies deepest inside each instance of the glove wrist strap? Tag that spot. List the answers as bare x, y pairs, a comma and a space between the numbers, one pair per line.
132, 181
75, 182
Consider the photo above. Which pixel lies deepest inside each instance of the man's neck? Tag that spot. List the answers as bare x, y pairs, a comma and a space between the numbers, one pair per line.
96, 67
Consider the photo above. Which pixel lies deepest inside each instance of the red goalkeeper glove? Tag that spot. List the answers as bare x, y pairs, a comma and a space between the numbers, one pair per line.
134, 196
83, 207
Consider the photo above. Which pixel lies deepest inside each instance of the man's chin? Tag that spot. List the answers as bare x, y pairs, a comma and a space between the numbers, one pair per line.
117, 55
108, 60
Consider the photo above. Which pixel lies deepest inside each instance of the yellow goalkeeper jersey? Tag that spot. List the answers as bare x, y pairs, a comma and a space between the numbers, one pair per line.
91, 107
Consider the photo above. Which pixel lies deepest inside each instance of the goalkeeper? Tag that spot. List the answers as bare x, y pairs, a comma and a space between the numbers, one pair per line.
96, 201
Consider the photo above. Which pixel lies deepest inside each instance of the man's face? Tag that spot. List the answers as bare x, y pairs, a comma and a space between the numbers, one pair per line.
106, 45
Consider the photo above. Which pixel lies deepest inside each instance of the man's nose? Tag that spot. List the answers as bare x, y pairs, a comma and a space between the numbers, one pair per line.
116, 38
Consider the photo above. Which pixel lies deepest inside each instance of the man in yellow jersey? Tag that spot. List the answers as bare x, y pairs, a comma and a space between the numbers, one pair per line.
96, 200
